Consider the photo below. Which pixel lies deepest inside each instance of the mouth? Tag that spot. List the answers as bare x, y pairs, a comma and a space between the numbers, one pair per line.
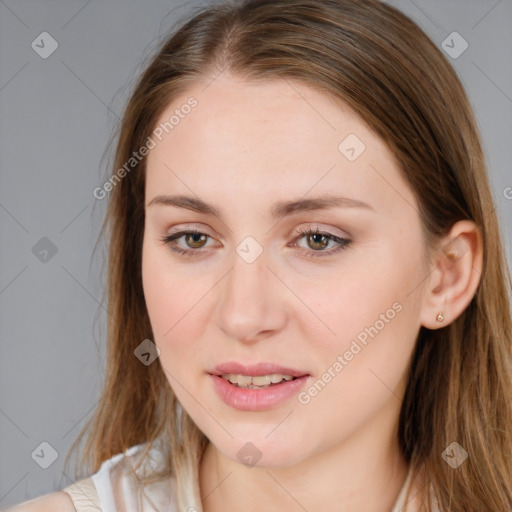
257, 393
256, 376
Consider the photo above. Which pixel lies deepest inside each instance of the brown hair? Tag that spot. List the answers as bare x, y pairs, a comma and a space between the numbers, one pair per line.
379, 62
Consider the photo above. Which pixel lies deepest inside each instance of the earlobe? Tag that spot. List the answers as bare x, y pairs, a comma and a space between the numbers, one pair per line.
452, 284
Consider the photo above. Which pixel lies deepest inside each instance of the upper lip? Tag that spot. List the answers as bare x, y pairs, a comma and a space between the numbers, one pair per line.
254, 370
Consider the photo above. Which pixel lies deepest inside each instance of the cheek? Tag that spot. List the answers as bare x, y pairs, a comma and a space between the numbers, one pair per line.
173, 300
345, 300
159, 295
369, 317
167, 292
363, 366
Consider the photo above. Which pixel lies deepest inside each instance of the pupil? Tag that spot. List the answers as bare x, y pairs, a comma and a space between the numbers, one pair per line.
315, 240
195, 236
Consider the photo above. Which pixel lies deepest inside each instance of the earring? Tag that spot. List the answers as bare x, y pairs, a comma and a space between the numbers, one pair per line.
440, 317
452, 255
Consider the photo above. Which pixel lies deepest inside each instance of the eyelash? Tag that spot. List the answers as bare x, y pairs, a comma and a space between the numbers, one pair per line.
344, 242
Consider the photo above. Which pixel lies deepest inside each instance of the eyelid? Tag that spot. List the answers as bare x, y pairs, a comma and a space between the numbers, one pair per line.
301, 232
200, 228
326, 229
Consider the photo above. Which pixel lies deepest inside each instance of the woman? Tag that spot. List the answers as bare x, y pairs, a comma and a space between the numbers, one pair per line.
308, 296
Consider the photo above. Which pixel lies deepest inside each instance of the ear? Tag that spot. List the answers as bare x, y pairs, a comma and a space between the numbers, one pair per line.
457, 267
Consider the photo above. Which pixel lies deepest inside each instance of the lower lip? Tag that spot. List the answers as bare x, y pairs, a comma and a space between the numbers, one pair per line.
257, 399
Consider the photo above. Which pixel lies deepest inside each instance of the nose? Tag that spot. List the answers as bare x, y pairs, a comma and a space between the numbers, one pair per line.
252, 302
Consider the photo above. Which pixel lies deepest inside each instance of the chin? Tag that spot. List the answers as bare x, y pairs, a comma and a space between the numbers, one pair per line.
261, 452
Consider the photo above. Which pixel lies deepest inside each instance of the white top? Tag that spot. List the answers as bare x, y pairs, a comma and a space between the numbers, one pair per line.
114, 488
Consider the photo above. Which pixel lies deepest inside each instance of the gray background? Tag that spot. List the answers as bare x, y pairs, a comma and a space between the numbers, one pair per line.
57, 116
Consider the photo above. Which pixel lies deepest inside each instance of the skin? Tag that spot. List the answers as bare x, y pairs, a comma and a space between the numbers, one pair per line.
245, 146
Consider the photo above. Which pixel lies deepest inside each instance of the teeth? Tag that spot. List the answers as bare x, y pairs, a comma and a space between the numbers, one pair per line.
260, 381
244, 380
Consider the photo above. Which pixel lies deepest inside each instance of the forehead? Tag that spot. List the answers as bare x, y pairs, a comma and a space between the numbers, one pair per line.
279, 137
263, 114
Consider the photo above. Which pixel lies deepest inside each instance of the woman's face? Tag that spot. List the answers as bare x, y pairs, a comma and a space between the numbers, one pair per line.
338, 310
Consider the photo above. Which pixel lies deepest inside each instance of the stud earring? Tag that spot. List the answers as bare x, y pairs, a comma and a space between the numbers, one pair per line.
440, 317
452, 255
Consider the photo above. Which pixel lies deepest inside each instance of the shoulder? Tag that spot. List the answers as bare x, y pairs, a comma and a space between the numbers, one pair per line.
54, 502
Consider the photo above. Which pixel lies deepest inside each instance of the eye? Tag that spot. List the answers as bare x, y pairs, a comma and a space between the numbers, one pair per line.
196, 240
320, 240
193, 238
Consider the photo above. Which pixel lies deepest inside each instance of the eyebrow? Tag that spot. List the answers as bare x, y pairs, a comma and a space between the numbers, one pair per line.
279, 210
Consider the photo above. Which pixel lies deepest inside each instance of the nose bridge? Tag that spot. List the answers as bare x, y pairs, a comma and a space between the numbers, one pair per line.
249, 302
